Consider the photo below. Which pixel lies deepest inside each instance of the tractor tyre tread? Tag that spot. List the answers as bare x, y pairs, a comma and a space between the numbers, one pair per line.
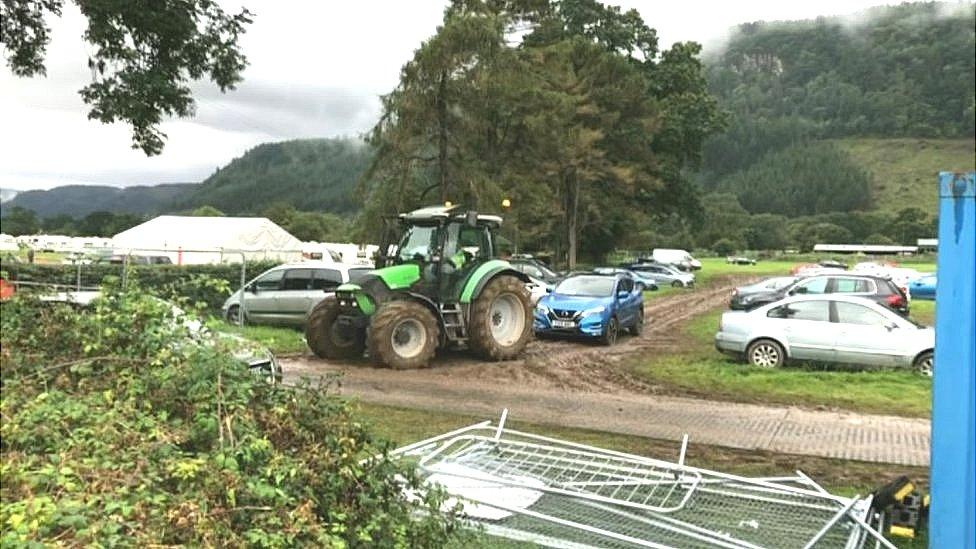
480, 339
379, 340
318, 333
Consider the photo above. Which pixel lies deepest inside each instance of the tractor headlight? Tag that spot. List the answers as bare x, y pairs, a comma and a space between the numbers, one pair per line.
593, 311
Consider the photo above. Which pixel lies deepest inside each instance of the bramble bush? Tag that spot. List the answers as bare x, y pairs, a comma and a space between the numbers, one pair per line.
118, 430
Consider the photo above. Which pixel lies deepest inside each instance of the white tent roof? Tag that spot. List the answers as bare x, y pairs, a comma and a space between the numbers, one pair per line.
172, 232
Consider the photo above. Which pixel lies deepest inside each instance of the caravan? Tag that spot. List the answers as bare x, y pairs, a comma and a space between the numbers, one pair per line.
679, 258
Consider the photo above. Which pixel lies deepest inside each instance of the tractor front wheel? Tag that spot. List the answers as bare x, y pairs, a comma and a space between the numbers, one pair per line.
326, 338
402, 335
501, 319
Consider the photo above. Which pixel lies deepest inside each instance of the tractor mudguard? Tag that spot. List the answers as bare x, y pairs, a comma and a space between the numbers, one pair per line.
483, 274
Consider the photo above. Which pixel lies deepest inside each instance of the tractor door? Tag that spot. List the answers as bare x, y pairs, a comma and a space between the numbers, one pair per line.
465, 247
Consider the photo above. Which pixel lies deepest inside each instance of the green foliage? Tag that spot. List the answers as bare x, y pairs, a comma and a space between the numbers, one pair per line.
203, 286
309, 226
142, 59
802, 180
586, 126
725, 246
18, 221
121, 428
308, 174
903, 70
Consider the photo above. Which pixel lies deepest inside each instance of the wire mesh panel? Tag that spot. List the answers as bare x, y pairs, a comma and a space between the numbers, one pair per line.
561, 494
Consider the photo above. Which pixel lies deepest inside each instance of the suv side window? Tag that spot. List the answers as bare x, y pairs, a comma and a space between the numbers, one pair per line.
326, 279
852, 313
852, 286
269, 281
297, 279
802, 310
813, 286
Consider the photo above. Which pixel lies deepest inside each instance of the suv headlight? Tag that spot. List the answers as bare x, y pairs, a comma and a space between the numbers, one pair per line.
593, 311
542, 308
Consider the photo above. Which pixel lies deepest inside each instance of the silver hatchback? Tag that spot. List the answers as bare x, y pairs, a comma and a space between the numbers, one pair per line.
285, 294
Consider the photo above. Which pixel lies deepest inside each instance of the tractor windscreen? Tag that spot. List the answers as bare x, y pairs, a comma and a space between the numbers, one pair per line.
586, 286
416, 243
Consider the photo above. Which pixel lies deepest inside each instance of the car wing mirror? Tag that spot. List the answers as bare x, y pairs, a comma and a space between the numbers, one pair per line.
891, 326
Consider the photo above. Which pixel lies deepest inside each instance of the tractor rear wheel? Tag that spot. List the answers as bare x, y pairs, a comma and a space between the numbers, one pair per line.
501, 319
328, 340
403, 335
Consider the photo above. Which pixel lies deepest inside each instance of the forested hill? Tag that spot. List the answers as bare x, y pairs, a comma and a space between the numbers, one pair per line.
309, 174
899, 71
80, 200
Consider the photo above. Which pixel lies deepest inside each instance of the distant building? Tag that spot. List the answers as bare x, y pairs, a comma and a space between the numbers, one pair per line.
928, 244
203, 240
876, 249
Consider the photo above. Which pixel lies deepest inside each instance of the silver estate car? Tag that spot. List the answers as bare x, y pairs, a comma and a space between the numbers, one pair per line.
827, 328
285, 294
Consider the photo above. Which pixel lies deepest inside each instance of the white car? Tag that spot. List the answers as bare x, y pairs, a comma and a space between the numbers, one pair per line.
678, 258
827, 328
285, 294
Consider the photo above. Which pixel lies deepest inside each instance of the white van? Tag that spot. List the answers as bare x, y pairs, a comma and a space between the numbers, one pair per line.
678, 258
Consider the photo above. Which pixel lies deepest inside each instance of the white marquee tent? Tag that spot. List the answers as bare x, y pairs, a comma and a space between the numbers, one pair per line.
199, 240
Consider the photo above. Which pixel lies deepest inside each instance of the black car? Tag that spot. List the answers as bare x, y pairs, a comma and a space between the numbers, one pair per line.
833, 264
881, 290
534, 268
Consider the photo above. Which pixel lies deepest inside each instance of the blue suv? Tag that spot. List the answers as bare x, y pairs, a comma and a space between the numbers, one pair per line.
592, 305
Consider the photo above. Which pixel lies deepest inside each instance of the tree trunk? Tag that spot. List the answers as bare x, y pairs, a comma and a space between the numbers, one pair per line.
572, 219
442, 136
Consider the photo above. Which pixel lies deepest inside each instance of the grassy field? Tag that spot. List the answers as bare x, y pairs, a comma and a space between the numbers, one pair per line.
903, 171
278, 339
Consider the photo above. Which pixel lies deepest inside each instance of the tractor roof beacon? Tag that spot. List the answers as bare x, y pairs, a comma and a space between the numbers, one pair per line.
437, 283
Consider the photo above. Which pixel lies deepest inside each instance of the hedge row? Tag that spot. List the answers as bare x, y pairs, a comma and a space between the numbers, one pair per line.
200, 284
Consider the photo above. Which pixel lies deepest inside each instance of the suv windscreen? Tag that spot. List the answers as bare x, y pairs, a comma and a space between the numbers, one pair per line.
416, 244
586, 286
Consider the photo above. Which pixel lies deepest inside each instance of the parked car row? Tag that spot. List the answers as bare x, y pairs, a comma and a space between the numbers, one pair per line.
840, 317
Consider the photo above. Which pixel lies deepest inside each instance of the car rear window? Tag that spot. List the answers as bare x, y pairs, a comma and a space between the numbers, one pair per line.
802, 310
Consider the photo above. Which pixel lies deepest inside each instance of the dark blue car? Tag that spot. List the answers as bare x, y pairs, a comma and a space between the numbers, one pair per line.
591, 305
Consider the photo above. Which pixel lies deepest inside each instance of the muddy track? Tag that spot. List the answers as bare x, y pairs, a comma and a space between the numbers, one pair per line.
557, 364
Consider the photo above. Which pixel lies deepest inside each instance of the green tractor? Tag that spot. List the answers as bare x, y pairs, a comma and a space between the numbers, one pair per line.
437, 284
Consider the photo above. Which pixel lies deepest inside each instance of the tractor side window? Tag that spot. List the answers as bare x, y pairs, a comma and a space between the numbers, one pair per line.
416, 244
473, 241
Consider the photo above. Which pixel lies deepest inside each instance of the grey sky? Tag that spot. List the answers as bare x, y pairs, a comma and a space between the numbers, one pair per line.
316, 70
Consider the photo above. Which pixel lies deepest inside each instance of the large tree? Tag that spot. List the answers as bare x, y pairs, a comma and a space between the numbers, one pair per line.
145, 55
566, 107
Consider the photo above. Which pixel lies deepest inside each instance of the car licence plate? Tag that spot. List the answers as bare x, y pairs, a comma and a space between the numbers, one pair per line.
563, 324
